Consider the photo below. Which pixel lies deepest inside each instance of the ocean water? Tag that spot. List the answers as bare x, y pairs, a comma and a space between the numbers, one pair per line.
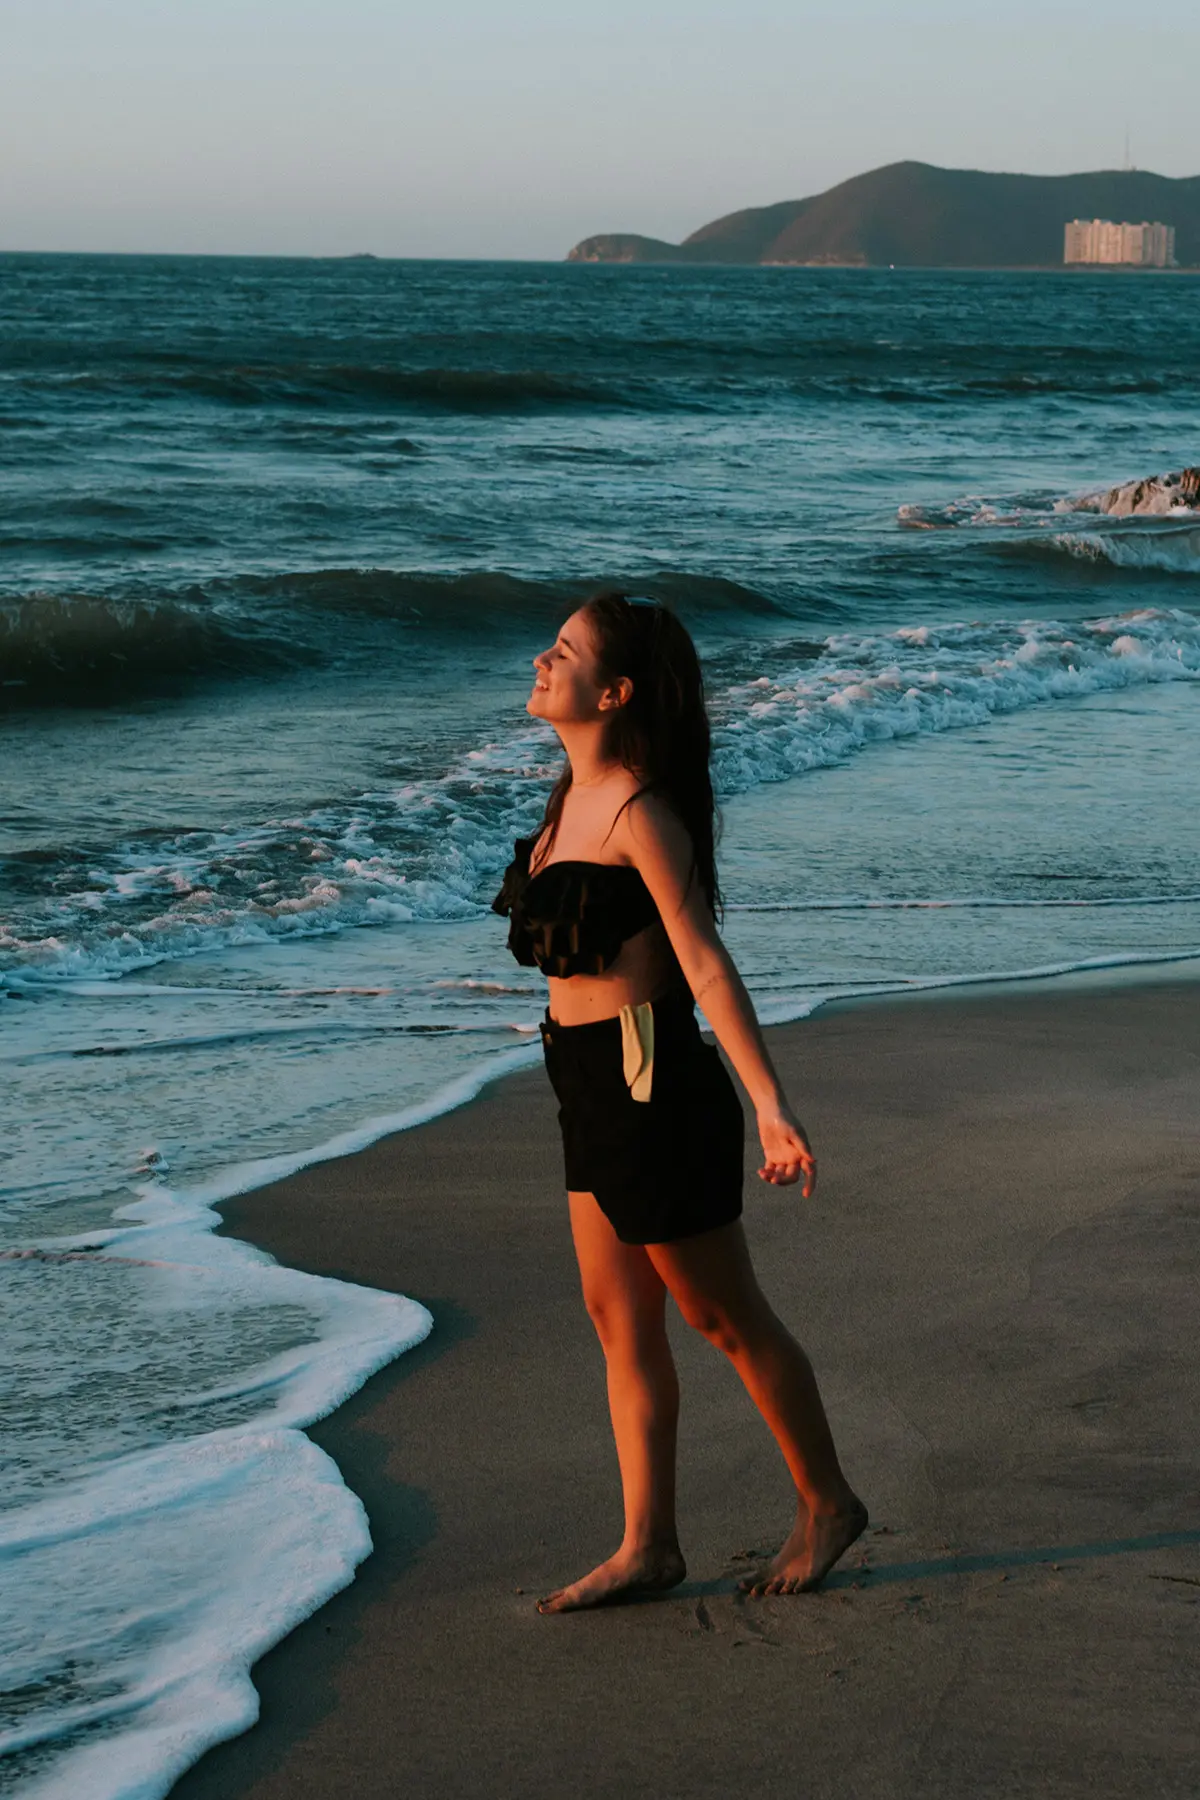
277, 542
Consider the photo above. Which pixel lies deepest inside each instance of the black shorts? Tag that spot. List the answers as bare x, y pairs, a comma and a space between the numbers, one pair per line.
661, 1169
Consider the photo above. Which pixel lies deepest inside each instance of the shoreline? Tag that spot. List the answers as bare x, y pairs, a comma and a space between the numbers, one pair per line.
483, 1461
239, 1179
1097, 977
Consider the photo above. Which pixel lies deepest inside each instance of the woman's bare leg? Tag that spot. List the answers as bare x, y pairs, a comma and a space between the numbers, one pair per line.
712, 1281
626, 1300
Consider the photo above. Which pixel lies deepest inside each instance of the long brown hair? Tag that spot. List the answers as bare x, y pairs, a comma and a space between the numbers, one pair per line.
662, 731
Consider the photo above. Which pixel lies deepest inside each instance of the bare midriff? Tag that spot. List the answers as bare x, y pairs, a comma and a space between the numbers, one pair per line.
642, 971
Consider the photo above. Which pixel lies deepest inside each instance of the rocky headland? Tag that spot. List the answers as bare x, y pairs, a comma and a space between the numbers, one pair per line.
914, 215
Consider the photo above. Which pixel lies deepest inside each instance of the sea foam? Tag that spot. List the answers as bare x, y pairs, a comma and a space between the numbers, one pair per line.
1173, 550
870, 688
135, 1596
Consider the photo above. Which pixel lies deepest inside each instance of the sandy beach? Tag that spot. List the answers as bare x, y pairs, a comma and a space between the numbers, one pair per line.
996, 1282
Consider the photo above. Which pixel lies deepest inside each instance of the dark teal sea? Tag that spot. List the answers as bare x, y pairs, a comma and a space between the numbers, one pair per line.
277, 541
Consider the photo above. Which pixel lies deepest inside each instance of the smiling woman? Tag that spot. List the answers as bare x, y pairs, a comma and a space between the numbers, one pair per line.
615, 900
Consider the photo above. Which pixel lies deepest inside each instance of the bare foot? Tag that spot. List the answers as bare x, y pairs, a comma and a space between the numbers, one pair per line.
816, 1543
623, 1577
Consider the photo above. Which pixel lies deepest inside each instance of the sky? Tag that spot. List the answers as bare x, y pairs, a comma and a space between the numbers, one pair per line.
513, 128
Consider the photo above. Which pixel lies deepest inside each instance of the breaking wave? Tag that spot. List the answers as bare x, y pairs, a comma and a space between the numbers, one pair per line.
1162, 535
870, 689
1167, 552
430, 849
490, 597
71, 649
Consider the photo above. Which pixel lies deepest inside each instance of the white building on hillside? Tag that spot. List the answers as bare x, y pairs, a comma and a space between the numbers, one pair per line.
1144, 246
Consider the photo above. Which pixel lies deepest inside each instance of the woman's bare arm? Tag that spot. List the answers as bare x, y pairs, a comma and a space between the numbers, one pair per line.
660, 849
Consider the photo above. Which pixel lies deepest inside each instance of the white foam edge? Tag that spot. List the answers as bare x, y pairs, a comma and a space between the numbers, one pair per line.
199, 1692
195, 1690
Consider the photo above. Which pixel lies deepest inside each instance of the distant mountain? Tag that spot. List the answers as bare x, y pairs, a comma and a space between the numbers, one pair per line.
918, 216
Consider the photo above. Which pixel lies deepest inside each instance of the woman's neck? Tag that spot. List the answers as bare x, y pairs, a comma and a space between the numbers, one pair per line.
586, 753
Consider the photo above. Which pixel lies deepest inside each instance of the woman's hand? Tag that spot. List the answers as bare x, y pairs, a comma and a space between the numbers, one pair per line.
787, 1153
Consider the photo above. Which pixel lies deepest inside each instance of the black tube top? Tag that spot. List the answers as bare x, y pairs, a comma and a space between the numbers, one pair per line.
571, 918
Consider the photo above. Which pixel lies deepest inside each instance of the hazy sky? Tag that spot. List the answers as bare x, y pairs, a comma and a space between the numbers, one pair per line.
481, 128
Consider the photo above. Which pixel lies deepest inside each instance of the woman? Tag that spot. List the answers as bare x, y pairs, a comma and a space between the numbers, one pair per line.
615, 900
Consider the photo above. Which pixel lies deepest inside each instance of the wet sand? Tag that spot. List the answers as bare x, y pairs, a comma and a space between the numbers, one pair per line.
997, 1282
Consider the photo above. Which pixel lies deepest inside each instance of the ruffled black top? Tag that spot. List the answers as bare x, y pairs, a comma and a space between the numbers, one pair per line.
571, 918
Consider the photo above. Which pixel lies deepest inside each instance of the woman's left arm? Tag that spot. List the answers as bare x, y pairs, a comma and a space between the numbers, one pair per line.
661, 851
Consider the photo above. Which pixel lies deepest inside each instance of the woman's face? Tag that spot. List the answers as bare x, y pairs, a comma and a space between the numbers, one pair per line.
567, 689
